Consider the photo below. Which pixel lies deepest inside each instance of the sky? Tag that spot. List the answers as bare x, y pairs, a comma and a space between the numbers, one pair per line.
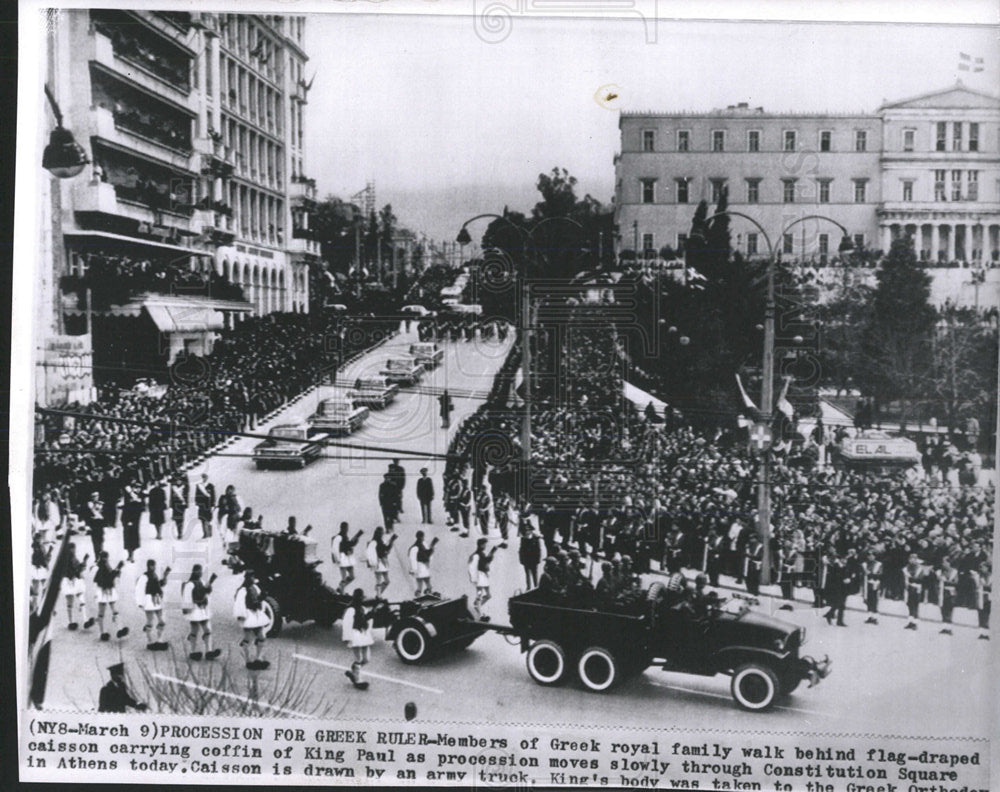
449, 125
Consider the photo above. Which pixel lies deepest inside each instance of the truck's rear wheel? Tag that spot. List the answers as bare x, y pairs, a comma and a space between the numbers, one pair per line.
598, 669
755, 687
272, 612
412, 644
547, 662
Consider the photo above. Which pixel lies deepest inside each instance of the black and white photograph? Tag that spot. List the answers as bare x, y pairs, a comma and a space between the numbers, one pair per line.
506, 394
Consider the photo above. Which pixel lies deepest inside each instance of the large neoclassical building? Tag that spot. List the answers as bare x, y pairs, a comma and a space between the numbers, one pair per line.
927, 166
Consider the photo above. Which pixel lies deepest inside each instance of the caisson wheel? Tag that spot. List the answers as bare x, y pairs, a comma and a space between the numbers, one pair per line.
547, 662
272, 611
598, 669
755, 687
412, 644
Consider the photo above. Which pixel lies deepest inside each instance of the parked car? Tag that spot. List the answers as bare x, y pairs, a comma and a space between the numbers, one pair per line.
338, 417
374, 392
287, 445
402, 370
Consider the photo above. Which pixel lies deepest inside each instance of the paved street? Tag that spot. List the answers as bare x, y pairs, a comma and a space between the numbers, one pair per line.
885, 679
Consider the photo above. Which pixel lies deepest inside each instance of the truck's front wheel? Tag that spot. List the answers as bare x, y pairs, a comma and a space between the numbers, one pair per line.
598, 669
755, 687
547, 662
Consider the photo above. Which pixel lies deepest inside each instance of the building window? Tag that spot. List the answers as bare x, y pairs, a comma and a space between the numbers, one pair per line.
682, 240
683, 140
860, 190
907, 190
908, 138
718, 140
824, 246
682, 190
647, 243
788, 190
939, 194
956, 136
860, 140
751, 244
859, 243
648, 190
789, 140
786, 244
753, 140
648, 140
972, 188
823, 187
973, 136
942, 136
718, 186
956, 185
753, 191
824, 140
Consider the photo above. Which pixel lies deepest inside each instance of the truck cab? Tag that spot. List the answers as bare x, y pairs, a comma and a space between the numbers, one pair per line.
337, 417
287, 445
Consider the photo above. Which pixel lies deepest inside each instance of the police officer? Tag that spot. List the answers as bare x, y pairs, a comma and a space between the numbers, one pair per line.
872, 571
947, 588
115, 695
913, 583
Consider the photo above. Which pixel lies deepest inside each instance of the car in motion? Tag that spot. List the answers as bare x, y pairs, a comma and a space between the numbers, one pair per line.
288, 445
428, 354
404, 371
376, 393
337, 416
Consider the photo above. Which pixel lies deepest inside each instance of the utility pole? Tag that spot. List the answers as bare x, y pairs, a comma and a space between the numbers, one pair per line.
766, 407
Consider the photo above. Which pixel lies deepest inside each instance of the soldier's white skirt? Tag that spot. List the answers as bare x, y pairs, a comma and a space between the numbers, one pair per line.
423, 571
39, 574
382, 566
107, 596
346, 560
151, 604
356, 638
198, 614
254, 619
73, 587
482, 580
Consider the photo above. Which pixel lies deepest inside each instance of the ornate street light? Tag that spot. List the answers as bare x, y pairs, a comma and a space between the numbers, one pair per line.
64, 158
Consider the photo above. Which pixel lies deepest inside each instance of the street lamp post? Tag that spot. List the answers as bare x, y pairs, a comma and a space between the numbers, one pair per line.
767, 386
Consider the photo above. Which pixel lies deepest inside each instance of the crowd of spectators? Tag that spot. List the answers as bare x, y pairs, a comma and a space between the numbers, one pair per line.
253, 369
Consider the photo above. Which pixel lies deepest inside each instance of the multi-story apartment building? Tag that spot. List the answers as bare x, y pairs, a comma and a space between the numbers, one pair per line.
194, 125
928, 166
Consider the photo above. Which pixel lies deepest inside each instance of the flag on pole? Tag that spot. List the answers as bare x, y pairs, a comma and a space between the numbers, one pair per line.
38, 627
783, 404
967, 63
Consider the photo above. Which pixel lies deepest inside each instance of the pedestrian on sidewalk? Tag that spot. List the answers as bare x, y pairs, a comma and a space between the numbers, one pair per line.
425, 494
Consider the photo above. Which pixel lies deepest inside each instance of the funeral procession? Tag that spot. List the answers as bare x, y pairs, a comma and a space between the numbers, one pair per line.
682, 438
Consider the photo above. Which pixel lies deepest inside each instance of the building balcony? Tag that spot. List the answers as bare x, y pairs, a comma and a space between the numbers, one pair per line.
102, 52
143, 48
129, 204
967, 211
118, 131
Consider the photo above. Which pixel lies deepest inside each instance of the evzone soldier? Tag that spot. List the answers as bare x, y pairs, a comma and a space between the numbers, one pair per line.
872, 570
342, 553
204, 499
248, 609
378, 558
149, 597
106, 581
479, 573
357, 629
74, 589
913, 584
983, 589
194, 599
947, 589
420, 560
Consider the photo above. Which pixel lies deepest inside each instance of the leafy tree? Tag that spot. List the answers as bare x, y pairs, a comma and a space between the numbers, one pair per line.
896, 344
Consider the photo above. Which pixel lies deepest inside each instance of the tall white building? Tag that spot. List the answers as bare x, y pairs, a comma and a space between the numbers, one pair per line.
928, 166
